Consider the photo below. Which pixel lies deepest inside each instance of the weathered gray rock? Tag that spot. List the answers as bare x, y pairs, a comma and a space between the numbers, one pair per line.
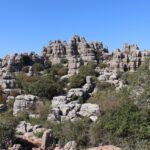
47, 140
78, 51
24, 102
76, 92
106, 147
55, 51
129, 59
16, 147
65, 108
24, 127
88, 110
31, 72
9, 79
52, 118
88, 87
58, 100
72, 145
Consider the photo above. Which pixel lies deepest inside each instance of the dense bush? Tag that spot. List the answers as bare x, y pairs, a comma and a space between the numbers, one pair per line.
26, 60
103, 86
76, 81
139, 85
37, 67
58, 69
68, 131
88, 69
46, 87
127, 121
2, 99
24, 81
7, 130
43, 86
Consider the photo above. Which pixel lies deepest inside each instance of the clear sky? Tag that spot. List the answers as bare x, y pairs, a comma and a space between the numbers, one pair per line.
27, 25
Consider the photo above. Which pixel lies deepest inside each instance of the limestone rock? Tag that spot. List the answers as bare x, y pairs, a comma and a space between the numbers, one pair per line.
47, 139
16, 147
58, 100
24, 102
106, 147
88, 110
72, 145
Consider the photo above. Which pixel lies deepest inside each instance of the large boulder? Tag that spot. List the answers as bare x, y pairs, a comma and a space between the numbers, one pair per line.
24, 102
79, 92
88, 110
24, 127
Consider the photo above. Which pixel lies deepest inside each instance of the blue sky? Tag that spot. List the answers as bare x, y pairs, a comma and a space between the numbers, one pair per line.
27, 25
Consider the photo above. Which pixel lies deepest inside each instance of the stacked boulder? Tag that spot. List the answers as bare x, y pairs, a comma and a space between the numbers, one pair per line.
77, 52
18, 61
8, 81
63, 110
55, 51
68, 107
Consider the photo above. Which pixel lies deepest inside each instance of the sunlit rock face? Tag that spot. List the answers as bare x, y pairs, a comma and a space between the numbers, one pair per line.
24, 103
77, 52
9, 79
128, 59
55, 51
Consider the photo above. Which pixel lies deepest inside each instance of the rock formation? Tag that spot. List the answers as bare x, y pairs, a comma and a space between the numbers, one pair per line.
24, 103
129, 59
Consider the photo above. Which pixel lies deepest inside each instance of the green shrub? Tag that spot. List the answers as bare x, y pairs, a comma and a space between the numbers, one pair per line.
62, 71
37, 67
39, 134
22, 115
88, 69
7, 130
103, 65
6, 134
103, 86
23, 81
46, 87
25, 69
127, 121
76, 81
139, 85
26, 60
58, 69
68, 131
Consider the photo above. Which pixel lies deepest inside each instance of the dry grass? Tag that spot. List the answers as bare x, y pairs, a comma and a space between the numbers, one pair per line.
106, 100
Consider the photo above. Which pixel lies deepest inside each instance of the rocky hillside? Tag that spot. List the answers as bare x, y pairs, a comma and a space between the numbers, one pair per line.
75, 96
